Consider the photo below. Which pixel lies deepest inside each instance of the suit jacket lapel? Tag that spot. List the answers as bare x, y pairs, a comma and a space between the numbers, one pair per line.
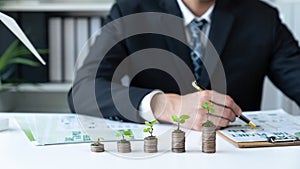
171, 7
222, 21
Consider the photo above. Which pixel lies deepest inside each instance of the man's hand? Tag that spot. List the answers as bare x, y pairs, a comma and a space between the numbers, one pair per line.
226, 110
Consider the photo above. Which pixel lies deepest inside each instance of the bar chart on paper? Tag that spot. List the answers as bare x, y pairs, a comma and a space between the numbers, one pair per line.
46, 129
276, 123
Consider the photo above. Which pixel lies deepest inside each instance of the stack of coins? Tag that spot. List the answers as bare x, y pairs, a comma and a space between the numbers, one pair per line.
124, 146
150, 145
209, 139
97, 148
178, 141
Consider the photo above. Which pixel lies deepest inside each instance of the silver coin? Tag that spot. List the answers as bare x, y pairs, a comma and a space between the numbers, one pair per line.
124, 147
99, 148
150, 145
178, 141
208, 140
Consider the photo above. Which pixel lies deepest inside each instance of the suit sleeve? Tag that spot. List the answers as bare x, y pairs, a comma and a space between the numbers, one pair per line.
284, 70
97, 88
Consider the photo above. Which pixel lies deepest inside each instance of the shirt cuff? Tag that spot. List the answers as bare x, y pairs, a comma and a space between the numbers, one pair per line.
145, 110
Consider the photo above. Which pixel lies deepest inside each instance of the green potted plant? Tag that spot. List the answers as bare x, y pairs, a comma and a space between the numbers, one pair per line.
150, 142
178, 136
208, 130
124, 144
97, 146
13, 55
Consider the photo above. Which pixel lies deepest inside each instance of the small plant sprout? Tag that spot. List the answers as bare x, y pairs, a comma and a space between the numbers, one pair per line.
98, 142
210, 108
97, 146
124, 134
180, 120
149, 128
123, 144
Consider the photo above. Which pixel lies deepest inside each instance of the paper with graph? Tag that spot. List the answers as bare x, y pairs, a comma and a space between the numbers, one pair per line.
46, 129
275, 123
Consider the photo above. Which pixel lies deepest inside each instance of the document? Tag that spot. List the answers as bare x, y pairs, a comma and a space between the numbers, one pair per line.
275, 123
47, 129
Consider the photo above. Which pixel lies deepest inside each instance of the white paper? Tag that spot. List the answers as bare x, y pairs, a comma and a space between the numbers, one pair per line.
276, 123
47, 129
14, 27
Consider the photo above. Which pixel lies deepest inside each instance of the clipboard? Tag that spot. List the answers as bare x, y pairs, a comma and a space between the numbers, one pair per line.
275, 128
268, 143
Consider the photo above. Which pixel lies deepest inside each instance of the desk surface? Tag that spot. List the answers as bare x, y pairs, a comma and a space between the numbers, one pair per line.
16, 152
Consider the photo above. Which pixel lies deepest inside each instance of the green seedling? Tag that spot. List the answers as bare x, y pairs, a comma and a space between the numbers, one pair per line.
124, 134
149, 128
180, 120
98, 142
210, 109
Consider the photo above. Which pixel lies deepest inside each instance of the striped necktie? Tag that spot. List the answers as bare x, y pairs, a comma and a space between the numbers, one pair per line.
197, 52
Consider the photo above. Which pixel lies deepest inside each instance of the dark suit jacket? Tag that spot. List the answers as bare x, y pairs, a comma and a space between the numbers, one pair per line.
248, 36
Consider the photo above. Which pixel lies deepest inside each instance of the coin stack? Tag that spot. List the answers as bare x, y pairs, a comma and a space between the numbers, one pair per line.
124, 146
209, 139
97, 148
178, 141
150, 145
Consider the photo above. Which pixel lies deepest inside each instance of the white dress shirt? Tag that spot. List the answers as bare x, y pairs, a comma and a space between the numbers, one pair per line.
145, 110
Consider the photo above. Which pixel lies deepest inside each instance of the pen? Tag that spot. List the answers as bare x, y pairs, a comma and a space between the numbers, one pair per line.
242, 117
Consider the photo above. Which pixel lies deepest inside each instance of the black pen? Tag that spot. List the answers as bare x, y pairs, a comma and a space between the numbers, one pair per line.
242, 117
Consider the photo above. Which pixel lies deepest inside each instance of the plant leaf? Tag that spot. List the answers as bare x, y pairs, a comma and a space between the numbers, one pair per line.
147, 123
205, 105
119, 134
184, 117
153, 122
175, 118
42, 51
19, 52
7, 54
212, 110
208, 123
146, 130
23, 61
11, 48
182, 121
15, 50
127, 133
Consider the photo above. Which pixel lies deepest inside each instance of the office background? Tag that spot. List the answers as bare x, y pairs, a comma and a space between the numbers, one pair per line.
62, 27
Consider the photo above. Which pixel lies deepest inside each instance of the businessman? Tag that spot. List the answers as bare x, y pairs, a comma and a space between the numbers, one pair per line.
248, 36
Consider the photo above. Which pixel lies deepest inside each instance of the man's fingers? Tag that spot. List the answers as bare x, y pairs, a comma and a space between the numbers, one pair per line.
222, 100
218, 121
202, 116
225, 113
229, 103
225, 109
